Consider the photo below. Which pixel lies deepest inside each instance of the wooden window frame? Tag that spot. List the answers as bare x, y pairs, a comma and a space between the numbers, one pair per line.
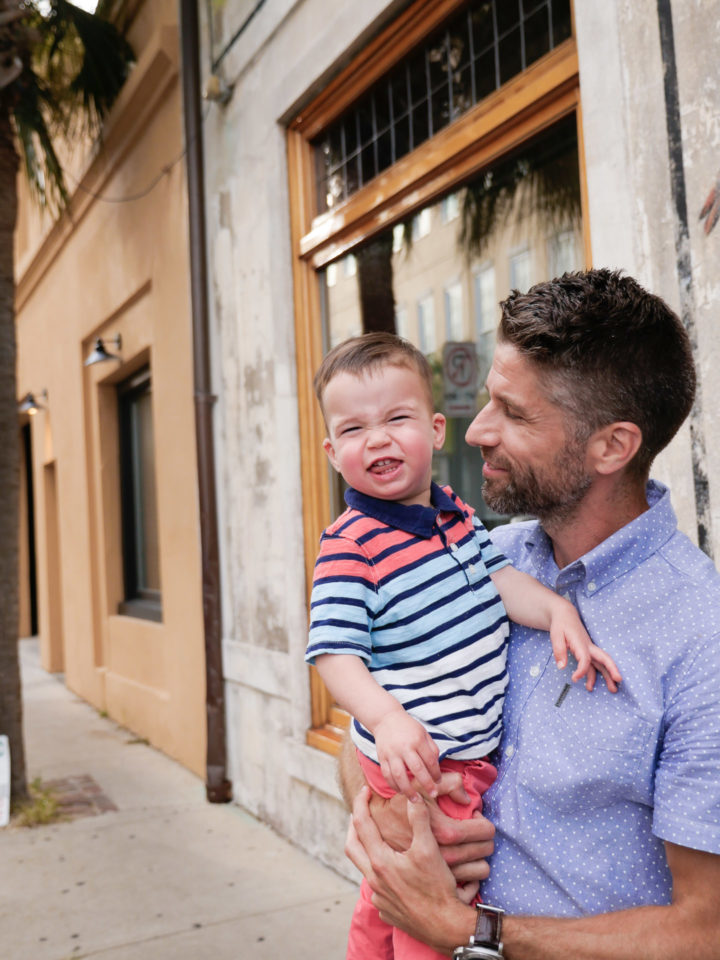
544, 93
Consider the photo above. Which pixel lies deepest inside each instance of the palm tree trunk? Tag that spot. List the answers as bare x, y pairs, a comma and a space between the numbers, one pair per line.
10, 694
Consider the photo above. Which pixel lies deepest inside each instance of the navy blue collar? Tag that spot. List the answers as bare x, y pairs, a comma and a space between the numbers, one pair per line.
412, 519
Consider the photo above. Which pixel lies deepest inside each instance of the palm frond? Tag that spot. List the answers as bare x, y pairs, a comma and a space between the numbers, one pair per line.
33, 109
75, 64
86, 60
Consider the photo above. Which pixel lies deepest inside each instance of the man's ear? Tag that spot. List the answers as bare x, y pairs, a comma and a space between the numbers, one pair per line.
438, 430
330, 451
611, 448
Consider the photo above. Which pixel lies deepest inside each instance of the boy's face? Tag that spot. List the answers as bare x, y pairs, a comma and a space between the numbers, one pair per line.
382, 433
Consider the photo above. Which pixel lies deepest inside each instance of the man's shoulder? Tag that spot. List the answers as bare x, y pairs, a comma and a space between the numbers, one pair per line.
688, 561
511, 537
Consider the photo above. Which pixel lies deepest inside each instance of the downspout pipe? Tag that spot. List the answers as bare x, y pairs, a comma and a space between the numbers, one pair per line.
218, 788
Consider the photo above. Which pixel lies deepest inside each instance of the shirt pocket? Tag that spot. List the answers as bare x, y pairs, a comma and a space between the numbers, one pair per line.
594, 749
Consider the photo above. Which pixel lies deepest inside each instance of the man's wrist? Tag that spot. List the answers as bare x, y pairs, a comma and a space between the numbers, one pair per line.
485, 942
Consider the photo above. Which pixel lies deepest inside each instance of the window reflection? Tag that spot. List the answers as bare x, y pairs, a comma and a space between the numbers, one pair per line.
438, 278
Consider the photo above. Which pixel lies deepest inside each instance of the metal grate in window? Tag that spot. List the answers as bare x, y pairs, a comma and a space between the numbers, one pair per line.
477, 50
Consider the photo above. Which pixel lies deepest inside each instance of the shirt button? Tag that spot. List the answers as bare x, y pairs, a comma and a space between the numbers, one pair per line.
534, 670
453, 547
592, 586
471, 567
509, 750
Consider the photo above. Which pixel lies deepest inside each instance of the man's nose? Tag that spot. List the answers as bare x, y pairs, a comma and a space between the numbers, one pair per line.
482, 432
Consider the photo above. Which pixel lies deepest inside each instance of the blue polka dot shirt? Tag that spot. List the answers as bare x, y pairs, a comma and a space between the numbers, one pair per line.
591, 784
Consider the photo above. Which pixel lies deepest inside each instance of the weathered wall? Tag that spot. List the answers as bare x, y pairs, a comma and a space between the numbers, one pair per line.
632, 213
281, 57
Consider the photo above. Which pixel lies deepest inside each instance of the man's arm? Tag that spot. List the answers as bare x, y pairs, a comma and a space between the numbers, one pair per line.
414, 891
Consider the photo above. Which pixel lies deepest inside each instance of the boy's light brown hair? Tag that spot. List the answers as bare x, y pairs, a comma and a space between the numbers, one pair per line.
370, 351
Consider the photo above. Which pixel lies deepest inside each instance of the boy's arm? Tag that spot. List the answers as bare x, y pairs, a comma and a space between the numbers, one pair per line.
402, 742
531, 604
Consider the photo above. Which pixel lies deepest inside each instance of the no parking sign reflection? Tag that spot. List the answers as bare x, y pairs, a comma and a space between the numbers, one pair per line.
460, 379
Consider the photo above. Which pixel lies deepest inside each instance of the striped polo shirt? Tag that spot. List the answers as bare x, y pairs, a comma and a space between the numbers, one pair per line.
407, 588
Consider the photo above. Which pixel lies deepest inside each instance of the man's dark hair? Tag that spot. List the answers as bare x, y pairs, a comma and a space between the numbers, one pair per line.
612, 351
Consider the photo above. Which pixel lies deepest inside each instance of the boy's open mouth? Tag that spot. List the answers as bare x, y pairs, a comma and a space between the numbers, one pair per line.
386, 465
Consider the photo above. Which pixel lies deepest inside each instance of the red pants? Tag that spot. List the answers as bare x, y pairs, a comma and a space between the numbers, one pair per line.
372, 939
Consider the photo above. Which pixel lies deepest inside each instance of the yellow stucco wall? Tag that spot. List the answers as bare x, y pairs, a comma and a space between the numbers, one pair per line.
118, 268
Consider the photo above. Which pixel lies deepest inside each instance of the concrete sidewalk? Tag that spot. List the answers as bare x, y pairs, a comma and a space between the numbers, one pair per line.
146, 868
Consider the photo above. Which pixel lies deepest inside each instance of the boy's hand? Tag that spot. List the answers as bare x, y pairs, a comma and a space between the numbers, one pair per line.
404, 745
568, 633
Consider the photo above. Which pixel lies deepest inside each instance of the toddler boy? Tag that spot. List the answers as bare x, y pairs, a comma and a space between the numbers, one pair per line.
410, 600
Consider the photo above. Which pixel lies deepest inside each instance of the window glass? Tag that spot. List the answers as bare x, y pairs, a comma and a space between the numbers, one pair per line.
517, 222
426, 324
453, 312
520, 264
141, 558
481, 46
487, 314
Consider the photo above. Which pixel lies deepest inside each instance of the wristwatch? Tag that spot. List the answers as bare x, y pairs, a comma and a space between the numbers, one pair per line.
486, 942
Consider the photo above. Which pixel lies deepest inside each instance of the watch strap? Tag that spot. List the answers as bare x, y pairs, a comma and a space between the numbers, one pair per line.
488, 927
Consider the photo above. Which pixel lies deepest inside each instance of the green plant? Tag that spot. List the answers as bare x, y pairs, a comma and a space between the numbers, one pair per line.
40, 809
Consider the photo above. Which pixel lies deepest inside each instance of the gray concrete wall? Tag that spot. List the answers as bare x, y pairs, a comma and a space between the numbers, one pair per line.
632, 215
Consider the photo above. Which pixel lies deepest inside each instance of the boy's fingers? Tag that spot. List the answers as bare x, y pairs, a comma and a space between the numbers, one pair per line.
429, 756
402, 779
591, 676
559, 648
609, 680
422, 775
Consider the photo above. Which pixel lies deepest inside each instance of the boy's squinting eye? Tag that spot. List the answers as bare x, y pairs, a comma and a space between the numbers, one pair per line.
348, 430
399, 416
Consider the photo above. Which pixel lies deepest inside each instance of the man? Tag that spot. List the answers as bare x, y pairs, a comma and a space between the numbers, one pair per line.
607, 808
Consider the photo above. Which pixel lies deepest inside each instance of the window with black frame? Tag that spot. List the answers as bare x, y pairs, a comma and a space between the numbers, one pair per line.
141, 560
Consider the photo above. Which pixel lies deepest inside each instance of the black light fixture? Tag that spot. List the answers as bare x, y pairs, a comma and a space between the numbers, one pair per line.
30, 405
100, 354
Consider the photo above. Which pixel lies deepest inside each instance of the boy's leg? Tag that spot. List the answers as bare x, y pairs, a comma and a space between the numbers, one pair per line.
369, 937
477, 776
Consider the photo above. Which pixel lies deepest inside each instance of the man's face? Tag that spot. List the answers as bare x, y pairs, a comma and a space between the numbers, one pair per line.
533, 463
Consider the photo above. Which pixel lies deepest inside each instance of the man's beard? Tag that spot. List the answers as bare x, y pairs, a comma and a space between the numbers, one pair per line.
550, 494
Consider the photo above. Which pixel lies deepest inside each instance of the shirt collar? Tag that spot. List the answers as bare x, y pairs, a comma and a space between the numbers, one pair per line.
412, 519
623, 551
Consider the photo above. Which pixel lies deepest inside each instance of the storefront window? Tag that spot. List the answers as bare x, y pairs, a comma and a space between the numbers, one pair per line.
518, 222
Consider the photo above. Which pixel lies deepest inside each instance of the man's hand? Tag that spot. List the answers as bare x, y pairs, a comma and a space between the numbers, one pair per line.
414, 890
465, 845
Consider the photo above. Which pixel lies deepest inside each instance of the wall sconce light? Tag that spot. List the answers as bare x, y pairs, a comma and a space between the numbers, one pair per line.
30, 405
100, 354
